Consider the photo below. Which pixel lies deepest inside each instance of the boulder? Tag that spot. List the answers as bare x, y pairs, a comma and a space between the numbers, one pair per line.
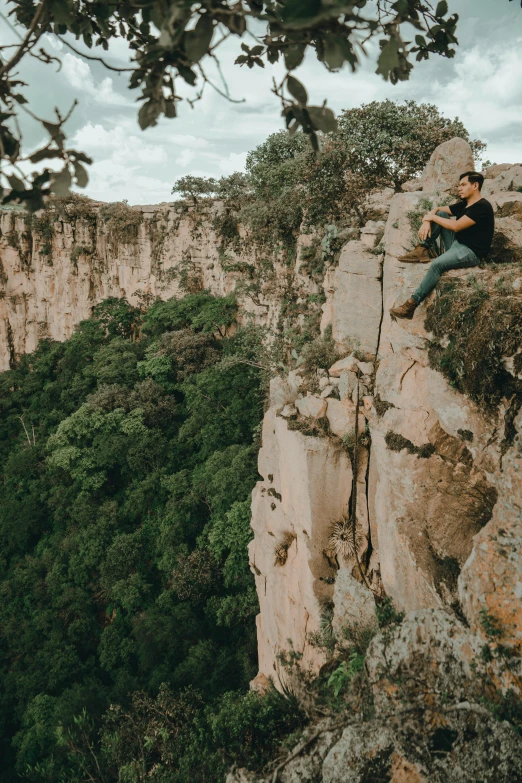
372, 233
307, 766
361, 755
430, 652
341, 417
354, 609
360, 392
288, 411
283, 391
447, 163
353, 299
327, 391
367, 403
491, 579
508, 180
507, 204
347, 383
366, 368
403, 771
323, 382
348, 363
311, 407
411, 185
498, 168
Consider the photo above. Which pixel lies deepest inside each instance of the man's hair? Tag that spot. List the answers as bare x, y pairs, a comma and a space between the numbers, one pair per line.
474, 176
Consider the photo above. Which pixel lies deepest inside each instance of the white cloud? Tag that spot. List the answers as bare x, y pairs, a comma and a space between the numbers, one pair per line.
122, 147
186, 157
234, 162
112, 181
484, 90
78, 74
185, 139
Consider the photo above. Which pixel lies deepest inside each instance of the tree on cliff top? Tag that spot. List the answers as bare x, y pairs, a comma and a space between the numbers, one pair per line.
380, 144
388, 143
173, 40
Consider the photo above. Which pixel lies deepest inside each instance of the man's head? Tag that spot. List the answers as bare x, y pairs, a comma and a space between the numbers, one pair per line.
470, 183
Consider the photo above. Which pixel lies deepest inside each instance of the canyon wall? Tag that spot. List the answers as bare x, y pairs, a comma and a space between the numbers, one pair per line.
54, 269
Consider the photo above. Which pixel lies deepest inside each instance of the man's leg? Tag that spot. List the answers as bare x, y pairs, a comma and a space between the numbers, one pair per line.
425, 251
457, 257
448, 237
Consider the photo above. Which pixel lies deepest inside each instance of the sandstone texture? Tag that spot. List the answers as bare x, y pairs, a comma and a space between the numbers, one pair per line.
491, 580
353, 303
354, 608
428, 493
425, 729
306, 487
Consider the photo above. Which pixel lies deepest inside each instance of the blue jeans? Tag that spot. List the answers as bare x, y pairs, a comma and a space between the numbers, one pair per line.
457, 256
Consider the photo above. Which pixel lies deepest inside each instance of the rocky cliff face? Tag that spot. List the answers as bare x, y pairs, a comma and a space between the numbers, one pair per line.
378, 475
55, 267
427, 489
438, 523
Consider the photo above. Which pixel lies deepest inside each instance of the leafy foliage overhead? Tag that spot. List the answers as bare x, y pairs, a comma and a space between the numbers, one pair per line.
172, 42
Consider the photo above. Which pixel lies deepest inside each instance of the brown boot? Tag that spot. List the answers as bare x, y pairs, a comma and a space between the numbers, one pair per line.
421, 255
405, 310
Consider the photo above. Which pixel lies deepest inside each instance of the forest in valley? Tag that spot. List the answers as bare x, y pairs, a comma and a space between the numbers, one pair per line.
127, 607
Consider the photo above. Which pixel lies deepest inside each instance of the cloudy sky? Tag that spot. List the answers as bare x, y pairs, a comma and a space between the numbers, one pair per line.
482, 85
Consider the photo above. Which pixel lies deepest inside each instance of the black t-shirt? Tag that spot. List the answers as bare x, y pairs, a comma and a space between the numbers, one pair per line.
480, 236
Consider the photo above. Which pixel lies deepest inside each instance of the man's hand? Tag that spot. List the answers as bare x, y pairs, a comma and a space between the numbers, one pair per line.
425, 230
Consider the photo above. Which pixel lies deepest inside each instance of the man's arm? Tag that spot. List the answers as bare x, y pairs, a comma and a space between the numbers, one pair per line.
451, 225
425, 229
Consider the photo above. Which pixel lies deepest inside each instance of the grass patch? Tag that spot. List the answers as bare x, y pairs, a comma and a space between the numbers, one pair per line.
396, 442
475, 326
381, 406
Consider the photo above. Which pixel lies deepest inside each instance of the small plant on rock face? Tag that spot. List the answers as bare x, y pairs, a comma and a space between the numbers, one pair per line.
387, 614
122, 222
359, 636
490, 625
341, 539
396, 442
320, 353
342, 676
281, 549
324, 638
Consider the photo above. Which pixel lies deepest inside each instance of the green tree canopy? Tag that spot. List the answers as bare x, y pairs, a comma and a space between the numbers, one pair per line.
124, 522
388, 143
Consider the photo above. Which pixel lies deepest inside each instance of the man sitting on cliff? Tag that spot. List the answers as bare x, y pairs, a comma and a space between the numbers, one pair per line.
474, 226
